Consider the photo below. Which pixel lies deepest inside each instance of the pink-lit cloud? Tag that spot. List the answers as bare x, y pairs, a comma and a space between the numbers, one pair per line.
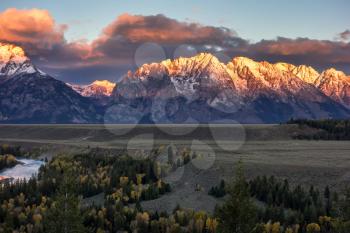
122, 36
41, 37
161, 29
35, 27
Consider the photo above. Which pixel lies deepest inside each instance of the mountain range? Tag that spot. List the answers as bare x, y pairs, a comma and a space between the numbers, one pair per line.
184, 90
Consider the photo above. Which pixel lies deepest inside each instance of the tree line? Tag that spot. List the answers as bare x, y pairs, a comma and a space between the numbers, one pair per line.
329, 129
276, 207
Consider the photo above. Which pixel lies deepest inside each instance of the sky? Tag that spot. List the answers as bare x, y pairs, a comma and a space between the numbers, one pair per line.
82, 40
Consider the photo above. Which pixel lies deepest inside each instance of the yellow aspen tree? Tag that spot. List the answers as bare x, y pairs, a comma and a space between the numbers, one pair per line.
313, 228
276, 228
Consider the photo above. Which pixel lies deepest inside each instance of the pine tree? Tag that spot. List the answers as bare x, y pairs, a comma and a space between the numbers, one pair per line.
327, 196
238, 214
327, 192
64, 215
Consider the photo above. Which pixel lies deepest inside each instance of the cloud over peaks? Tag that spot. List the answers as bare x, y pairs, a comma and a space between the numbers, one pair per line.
319, 53
35, 27
161, 29
113, 51
127, 32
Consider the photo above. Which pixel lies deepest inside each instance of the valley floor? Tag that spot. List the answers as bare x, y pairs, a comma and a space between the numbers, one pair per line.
265, 150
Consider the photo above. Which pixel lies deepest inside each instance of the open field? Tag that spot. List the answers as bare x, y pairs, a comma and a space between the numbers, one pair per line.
265, 150
117, 136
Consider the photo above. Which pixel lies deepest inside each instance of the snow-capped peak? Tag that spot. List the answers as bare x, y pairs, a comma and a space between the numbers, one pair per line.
98, 88
13, 61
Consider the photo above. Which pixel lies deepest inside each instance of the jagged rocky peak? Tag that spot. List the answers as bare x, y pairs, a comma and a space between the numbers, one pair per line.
202, 59
242, 62
201, 64
13, 61
105, 84
153, 69
285, 66
305, 73
98, 88
336, 85
101, 87
247, 68
333, 73
332, 76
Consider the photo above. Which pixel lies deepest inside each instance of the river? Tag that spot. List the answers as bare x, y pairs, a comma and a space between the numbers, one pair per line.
25, 170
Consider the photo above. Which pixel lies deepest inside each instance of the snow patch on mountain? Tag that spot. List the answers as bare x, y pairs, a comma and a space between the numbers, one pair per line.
183, 86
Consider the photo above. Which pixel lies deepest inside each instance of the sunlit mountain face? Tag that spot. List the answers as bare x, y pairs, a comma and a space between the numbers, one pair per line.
184, 90
202, 89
